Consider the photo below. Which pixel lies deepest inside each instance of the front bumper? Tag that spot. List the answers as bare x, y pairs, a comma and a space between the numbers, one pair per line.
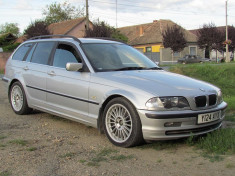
184, 123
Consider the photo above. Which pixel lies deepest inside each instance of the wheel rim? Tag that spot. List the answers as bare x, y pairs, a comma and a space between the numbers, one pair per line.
118, 123
17, 98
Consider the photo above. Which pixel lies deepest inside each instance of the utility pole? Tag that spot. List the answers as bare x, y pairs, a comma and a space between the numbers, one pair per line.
116, 14
87, 16
226, 11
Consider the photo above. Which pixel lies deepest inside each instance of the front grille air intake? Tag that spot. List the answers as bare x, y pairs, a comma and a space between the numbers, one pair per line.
200, 101
203, 101
212, 99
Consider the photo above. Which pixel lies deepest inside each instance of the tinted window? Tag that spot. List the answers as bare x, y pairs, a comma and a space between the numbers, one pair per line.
64, 54
30, 53
42, 52
20, 53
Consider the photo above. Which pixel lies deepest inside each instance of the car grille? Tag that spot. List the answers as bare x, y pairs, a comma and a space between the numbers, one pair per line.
201, 101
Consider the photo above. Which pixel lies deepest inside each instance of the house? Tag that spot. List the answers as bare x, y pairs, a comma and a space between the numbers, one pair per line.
214, 54
75, 27
148, 39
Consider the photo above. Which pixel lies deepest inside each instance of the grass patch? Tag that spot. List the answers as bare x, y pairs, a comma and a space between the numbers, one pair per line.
230, 117
229, 165
122, 157
162, 145
1, 71
31, 149
2, 137
68, 155
82, 161
2, 145
5, 173
215, 144
19, 142
220, 142
103, 155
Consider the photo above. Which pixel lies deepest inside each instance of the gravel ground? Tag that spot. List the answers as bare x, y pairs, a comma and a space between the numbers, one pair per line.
41, 144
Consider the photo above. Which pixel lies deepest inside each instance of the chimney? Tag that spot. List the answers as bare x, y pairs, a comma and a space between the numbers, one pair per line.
155, 21
141, 30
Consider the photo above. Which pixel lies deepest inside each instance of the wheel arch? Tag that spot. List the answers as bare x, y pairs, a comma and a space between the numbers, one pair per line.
107, 100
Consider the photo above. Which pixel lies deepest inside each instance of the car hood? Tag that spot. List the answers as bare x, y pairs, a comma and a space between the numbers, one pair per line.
156, 82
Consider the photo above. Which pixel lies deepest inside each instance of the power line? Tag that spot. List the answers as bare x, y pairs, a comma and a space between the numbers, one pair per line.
155, 8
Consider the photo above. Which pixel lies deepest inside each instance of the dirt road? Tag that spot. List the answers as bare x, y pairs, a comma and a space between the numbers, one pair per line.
41, 144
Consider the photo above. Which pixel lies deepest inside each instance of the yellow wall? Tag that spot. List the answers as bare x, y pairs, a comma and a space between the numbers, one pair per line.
155, 48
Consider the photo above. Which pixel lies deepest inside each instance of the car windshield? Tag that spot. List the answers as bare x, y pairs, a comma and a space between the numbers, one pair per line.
116, 57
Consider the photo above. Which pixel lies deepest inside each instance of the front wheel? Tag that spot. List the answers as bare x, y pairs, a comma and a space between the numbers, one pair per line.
18, 99
122, 124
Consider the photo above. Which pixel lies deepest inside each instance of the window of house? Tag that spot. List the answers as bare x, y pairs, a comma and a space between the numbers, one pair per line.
65, 54
148, 49
176, 54
193, 50
42, 52
21, 52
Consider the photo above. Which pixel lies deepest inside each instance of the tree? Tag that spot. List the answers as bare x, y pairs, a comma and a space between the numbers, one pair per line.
101, 29
37, 28
10, 28
173, 37
57, 12
209, 37
231, 36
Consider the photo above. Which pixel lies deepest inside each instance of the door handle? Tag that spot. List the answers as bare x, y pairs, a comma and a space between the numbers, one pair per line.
26, 68
51, 73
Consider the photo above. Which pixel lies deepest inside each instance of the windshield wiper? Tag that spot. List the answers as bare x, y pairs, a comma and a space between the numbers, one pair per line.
137, 68
154, 68
130, 68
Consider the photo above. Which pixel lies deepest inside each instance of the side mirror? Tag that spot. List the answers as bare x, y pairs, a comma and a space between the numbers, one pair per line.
74, 66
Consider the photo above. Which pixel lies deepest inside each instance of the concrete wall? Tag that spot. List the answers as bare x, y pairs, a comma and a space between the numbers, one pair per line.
3, 59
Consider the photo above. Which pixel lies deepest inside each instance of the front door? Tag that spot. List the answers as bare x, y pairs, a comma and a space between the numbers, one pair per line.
67, 91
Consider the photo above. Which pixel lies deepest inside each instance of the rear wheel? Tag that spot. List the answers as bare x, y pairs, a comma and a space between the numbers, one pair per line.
122, 124
18, 99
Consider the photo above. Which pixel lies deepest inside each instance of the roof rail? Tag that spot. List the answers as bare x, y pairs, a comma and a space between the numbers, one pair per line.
53, 36
108, 38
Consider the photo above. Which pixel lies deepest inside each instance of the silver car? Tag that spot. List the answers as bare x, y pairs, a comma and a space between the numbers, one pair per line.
110, 86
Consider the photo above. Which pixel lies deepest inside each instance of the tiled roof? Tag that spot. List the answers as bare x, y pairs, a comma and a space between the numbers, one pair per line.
65, 26
151, 32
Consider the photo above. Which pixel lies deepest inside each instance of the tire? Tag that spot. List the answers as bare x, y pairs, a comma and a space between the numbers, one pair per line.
123, 128
18, 99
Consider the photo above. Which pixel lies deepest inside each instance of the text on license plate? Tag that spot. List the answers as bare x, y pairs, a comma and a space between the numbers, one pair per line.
208, 117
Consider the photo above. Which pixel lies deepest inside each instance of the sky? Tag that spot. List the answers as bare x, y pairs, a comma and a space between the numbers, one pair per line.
190, 14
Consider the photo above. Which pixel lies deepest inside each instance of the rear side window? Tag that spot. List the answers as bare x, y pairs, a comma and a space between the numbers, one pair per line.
21, 52
42, 52
64, 54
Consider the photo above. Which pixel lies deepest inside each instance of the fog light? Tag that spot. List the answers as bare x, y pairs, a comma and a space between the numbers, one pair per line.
172, 124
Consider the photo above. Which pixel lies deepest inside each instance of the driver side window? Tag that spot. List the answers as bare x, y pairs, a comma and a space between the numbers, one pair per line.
65, 53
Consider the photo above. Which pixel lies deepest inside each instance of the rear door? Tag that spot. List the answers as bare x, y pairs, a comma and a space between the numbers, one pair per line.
67, 91
37, 72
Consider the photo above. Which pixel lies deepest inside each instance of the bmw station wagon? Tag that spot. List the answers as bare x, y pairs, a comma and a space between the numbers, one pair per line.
110, 86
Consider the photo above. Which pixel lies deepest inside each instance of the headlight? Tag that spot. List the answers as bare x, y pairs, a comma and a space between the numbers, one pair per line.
219, 97
167, 103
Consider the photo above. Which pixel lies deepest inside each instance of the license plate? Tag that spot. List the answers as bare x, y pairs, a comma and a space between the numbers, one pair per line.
208, 117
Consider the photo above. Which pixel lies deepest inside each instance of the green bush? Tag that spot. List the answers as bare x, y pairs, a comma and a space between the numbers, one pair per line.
10, 47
